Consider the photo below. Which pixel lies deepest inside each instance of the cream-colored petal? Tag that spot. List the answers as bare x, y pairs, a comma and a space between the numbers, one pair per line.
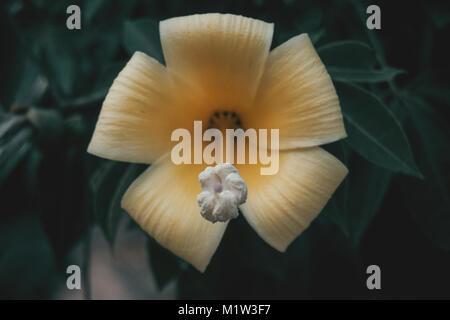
220, 56
281, 206
297, 97
163, 202
133, 124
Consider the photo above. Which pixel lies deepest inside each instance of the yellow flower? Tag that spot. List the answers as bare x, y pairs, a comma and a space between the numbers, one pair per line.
222, 62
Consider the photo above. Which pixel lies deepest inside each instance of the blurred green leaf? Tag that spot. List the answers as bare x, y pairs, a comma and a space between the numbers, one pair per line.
16, 151
310, 20
335, 263
246, 259
72, 60
347, 54
15, 142
101, 188
115, 211
8, 123
27, 264
374, 132
353, 207
61, 196
429, 200
435, 91
253, 253
33, 164
368, 186
361, 75
107, 76
108, 184
164, 265
91, 9
336, 208
143, 35
439, 13
107, 14
317, 35
354, 61
58, 52
32, 87
12, 58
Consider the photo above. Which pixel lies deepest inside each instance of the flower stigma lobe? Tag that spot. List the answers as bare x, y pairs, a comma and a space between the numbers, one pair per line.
223, 191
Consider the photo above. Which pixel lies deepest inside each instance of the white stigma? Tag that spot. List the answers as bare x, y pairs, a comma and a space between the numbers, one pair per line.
223, 191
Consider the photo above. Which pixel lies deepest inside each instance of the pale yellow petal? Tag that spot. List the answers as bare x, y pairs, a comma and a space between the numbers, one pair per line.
297, 97
221, 57
133, 124
281, 206
163, 202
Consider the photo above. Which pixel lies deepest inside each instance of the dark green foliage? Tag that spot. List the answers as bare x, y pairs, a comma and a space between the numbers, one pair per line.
373, 131
164, 264
143, 35
393, 208
107, 185
29, 279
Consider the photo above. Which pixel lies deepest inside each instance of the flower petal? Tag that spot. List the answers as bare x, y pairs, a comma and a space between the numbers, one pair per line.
132, 124
279, 207
222, 56
163, 202
297, 97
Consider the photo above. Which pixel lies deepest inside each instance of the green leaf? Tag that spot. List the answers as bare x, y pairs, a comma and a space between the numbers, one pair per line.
374, 132
34, 161
254, 269
363, 75
12, 60
107, 77
354, 213
253, 254
317, 35
59, 62
14, 157
336, 208
439, 13
91, 9
310, 20
368, 185
8, 122
428, 200
33, 85
335, 262
143, 35
347, 54
115, 211
27, 264
108, 184
165, 266
435, 91
101, 188
15, 142
73, 60
354, 61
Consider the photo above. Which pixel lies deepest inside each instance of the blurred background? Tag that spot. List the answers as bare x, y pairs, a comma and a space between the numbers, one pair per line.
61, 206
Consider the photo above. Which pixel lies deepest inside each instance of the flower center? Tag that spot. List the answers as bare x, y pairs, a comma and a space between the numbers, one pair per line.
224, 120
217, 187
223, 190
